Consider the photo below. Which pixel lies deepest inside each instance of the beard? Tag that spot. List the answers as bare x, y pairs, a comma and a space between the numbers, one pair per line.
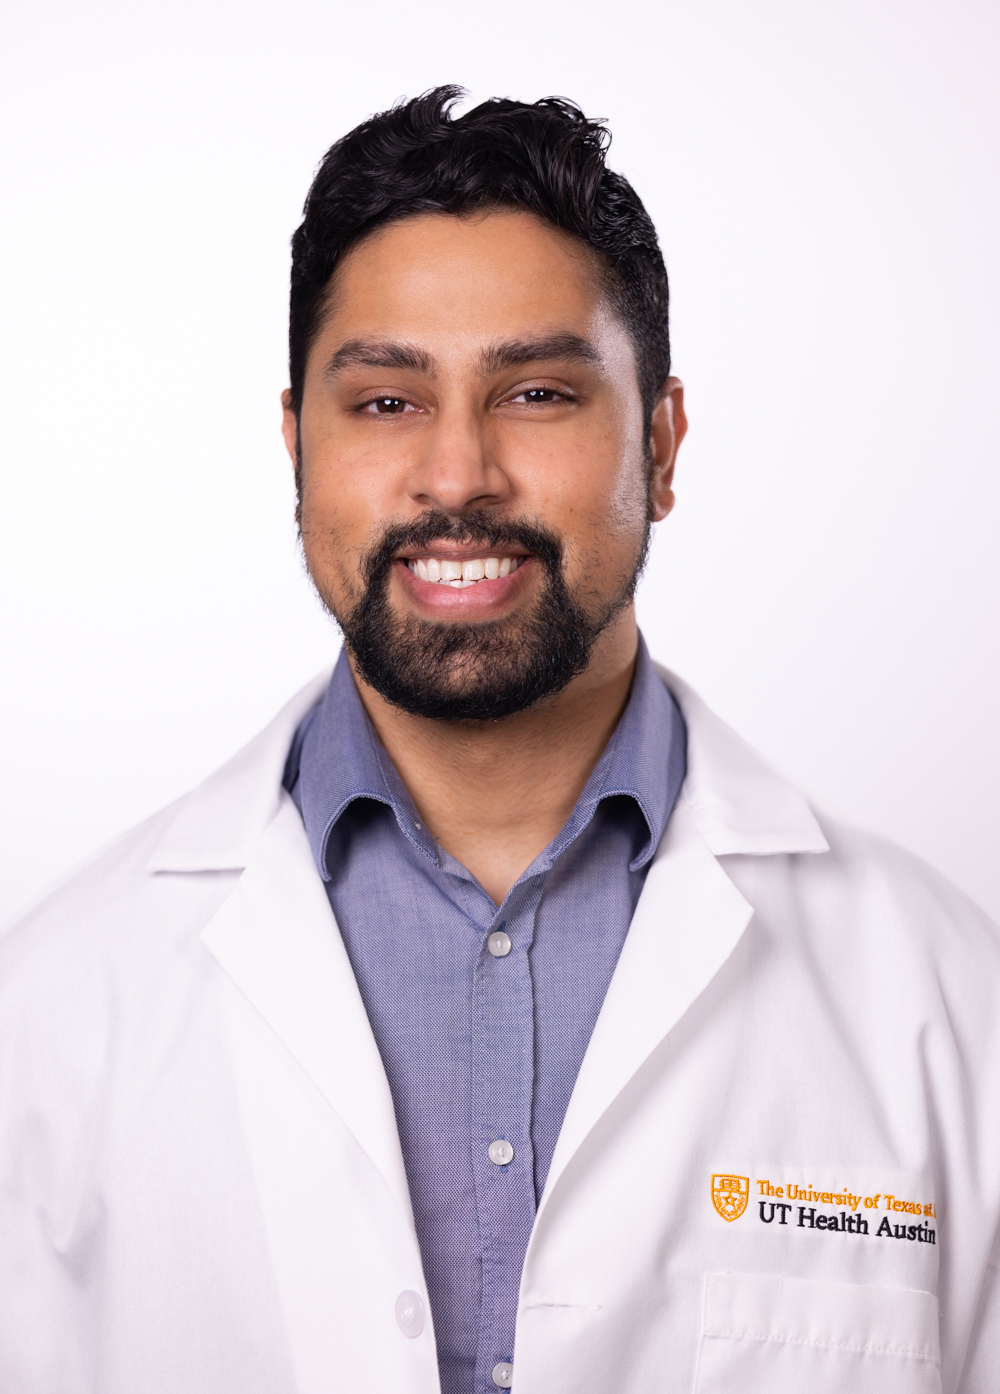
474, 671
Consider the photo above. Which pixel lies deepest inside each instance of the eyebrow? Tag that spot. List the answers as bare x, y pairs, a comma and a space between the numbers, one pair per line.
496, 358
367, 353
512, 353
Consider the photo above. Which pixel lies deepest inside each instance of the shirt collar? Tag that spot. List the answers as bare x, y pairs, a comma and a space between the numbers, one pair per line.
337, 757
646, 759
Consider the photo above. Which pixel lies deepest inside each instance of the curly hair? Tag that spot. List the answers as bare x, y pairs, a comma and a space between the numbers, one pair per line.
543, 157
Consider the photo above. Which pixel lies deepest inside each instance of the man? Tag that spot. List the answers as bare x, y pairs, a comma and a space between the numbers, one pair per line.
496, 1018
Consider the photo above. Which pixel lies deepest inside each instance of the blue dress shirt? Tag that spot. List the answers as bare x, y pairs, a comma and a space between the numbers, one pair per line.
481, 1048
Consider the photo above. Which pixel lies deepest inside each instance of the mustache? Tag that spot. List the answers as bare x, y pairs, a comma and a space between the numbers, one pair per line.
478, 527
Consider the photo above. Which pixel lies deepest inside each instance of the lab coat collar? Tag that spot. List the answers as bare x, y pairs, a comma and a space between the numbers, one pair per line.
217, 825
739, 804
690, 916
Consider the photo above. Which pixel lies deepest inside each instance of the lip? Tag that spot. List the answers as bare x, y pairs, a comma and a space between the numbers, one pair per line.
484, 600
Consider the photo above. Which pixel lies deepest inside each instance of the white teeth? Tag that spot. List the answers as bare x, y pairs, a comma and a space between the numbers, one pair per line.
463, 573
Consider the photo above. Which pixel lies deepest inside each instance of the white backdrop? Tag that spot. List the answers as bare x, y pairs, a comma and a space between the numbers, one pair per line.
824, 179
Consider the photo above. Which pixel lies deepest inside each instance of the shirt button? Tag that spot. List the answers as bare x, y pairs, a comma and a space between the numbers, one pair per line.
410, 1313
503, 1374
501, 1153
499, 944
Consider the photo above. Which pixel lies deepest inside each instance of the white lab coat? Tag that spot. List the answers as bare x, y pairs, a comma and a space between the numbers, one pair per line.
201, 1186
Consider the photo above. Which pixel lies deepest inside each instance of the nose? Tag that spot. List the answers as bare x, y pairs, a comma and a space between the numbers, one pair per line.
457, 469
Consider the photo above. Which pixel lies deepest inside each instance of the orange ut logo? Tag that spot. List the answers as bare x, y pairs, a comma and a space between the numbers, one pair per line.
730, 1195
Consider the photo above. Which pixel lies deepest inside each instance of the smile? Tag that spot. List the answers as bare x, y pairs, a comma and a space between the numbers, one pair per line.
460, 574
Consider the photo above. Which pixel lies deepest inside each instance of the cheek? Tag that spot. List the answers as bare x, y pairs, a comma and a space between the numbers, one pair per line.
628, 501
324, 509
614, 500
331, 539
351, 488
341, 490
613, 486
605, 534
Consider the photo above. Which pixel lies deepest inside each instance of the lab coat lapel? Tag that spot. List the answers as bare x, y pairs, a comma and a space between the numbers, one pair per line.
690, 916
277, 939
688, 920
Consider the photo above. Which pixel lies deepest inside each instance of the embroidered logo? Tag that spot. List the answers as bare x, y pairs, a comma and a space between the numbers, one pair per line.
730, 1195
800, 1207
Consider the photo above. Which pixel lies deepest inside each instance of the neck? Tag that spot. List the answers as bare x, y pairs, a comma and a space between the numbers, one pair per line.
495, 793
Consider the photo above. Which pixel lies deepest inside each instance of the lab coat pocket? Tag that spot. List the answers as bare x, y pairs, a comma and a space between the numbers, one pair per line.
765, 1334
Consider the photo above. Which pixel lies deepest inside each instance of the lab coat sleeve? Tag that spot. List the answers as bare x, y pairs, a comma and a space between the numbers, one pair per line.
43, 1345
980, 1373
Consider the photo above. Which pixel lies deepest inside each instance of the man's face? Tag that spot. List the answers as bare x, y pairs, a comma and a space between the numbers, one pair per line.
476, 488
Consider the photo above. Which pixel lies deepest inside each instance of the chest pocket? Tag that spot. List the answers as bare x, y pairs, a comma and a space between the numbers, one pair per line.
763, 1334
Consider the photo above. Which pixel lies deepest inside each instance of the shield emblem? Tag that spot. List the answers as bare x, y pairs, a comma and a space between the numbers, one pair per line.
730, 1195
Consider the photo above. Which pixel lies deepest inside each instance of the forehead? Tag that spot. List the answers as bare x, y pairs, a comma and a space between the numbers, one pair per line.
473, 275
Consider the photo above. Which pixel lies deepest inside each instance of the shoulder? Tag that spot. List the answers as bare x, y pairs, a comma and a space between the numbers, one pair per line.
881, 933
869, 885
156, 887
850, 909
101, 941
878, 868
769, 836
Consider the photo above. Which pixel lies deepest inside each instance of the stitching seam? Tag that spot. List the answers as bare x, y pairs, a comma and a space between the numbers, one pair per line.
822, 1345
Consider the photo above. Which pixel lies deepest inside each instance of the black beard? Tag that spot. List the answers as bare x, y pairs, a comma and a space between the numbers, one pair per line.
480, 671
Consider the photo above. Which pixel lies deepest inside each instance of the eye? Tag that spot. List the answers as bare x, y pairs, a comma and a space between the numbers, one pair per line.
386, 406
540, 396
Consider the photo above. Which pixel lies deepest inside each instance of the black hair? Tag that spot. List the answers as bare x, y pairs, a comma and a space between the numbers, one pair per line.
542, 157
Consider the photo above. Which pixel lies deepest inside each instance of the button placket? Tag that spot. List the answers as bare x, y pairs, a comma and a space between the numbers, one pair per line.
504, 1167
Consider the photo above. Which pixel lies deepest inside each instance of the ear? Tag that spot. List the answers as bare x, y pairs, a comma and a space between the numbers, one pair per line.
669, 427
290, 426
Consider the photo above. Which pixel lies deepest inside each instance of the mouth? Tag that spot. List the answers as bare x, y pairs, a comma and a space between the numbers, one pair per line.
456, 582
460, 574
